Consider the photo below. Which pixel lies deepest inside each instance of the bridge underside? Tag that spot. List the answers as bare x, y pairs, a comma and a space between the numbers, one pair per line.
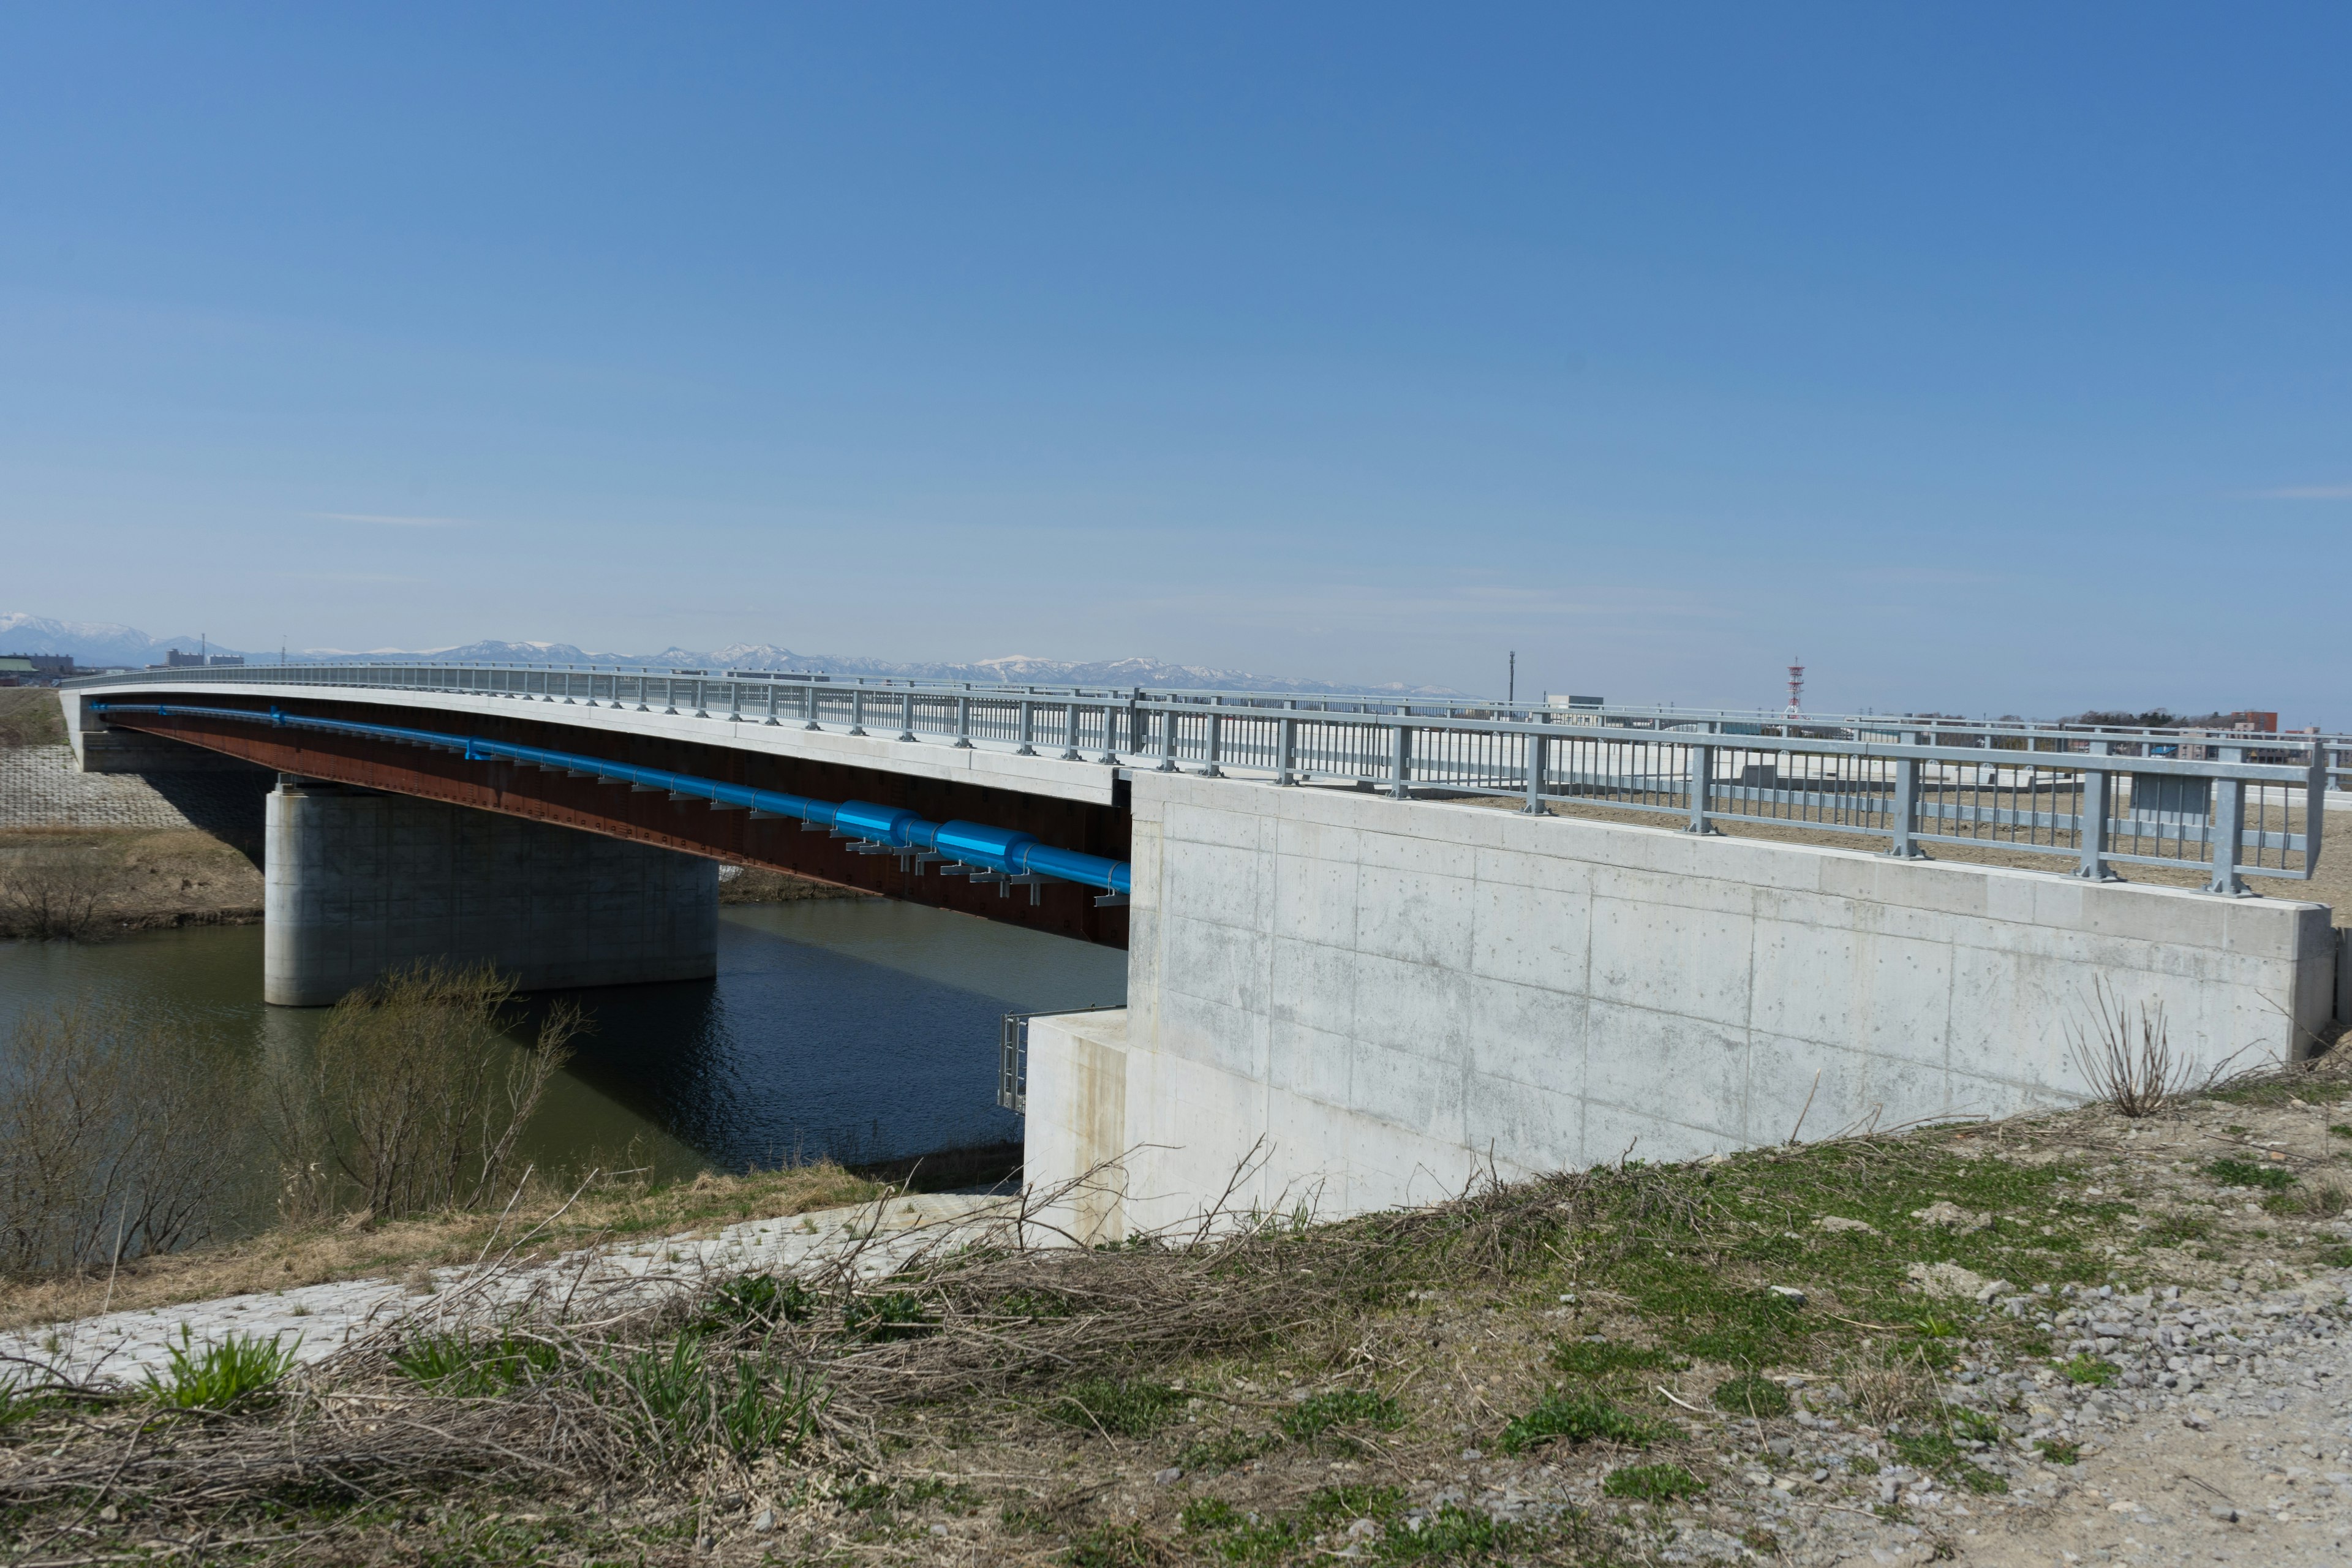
1063, 909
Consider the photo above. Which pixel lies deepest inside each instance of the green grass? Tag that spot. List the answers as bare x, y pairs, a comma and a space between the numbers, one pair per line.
893, 1315
1131, 1408
2180, 1230
2246, 1174
1587, 1358
2058, 1450
1446, 1535
238, 1370
1749, 1394
1226, 1450
1935, 1450
474, 1369
1653, 1483
1116, 1546
2336, 1257
1579, 1417
1698, 1264
2341, 1129
1311, 1419
2089, 1370
678, 1400
756, 1301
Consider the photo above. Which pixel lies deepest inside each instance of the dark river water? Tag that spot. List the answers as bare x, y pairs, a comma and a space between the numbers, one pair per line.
857, 1028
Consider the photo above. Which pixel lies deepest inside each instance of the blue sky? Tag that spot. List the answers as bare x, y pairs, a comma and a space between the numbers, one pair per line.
1992, 358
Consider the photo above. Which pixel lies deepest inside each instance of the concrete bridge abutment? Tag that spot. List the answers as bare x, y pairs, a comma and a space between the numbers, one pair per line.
1370, 1000
360, 883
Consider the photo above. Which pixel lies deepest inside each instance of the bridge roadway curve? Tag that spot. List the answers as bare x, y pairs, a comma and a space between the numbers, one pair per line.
1076, 805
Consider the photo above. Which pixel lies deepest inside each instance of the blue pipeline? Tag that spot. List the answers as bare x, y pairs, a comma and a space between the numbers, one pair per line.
998, 849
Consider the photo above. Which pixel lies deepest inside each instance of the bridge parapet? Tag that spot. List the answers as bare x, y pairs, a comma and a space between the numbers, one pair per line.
2234, 805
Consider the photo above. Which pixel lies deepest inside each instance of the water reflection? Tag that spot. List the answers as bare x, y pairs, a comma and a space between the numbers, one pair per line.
859, 1028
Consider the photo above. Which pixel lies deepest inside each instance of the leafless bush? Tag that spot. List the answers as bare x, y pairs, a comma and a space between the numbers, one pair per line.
414, 1096
1889, 1384
112, 1143
2126, 1057
60, 892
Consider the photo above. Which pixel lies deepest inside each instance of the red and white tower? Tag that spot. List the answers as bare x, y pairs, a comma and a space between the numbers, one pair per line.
1796, 692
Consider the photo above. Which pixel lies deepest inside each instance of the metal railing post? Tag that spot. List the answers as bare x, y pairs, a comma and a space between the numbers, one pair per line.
1538, 762
1699, 765
906, 716
2098, 807
1904, 835
963, 723
857, 710
1028, 730
701, 710
775, 693
2223, 827
1217, 745
1401, 761
1167, 741
1286, 753
1070, 752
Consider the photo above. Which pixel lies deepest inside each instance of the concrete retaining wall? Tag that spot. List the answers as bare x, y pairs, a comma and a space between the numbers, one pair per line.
360, 883
1379, 996
42, 786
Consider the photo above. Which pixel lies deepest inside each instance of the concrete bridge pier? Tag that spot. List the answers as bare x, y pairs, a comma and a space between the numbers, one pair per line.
361, 883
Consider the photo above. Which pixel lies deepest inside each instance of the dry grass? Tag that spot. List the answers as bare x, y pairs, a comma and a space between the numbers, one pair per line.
29, 716
290, 1256
154, 877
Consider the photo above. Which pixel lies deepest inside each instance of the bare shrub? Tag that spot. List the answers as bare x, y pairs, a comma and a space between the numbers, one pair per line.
415, 1095
1889, 1384
112, 1143
2125, 1056
56, 892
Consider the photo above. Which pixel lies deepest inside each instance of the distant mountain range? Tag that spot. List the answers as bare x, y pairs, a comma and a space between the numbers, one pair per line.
99, 644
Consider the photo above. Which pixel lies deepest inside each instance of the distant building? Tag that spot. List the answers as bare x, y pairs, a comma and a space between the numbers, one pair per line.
33, 668
174, 659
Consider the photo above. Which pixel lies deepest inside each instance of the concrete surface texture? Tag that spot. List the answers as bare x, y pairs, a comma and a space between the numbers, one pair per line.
317, 1321
360, 883
1372, 999
42, 788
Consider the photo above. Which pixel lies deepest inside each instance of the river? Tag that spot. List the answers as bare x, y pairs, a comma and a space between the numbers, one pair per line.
861, 1029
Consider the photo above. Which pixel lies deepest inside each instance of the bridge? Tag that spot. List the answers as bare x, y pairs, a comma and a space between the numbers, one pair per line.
1375, 941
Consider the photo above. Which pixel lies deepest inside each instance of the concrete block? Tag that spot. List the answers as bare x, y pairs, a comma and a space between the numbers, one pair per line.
1679, 1068
1418, 917
1694, 962
1530, 1034
1522, 934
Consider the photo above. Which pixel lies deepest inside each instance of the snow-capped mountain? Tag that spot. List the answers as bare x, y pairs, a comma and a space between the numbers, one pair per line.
92, 643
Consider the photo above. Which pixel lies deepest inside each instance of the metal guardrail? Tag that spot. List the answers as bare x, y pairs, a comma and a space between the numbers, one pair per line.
1012, 1053
2233, 805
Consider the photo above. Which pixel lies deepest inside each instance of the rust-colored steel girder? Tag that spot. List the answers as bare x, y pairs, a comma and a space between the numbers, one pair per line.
1063, 908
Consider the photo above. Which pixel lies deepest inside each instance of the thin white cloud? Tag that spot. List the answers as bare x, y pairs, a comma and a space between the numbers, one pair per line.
2308, 492
381, 519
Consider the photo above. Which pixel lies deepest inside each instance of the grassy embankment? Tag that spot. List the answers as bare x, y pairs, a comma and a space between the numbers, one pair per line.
1569, 1370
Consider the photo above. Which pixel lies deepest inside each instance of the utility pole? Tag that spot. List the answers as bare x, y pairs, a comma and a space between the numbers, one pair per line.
1511, 695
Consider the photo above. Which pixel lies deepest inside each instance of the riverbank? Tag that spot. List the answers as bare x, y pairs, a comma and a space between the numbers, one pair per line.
1984, 1344
602, 1212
